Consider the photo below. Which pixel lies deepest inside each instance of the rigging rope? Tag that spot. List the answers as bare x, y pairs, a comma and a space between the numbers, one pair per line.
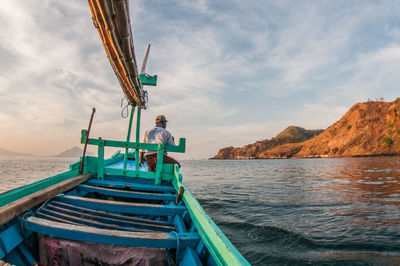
124, 108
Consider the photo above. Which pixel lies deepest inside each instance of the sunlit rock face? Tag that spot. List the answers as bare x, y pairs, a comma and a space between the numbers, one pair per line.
368, 129
291, 134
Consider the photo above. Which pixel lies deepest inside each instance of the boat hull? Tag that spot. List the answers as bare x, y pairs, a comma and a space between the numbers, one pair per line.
115, 211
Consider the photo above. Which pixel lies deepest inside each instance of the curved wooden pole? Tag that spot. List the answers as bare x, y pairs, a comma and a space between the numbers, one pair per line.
86, 141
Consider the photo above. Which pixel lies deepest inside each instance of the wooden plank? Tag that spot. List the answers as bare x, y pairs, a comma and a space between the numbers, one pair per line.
126, 194
52, 218
109, 221
83, 221
106, 236
130, 185
123, 207
20, 192
26, 254
14, 259
190, 257
17, 207
179, 224
10, 238
160, 160
131, 173
110, 215
100, 160
181, 147
202, 251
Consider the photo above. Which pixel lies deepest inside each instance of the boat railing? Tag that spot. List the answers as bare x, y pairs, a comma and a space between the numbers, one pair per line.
160, 148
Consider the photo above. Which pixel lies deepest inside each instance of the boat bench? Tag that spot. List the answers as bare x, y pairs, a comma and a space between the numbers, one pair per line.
130, 168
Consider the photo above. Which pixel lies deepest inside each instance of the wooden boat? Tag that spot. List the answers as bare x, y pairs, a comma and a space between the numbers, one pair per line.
113, 211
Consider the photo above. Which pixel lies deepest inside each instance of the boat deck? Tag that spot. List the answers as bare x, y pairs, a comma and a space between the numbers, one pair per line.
94, 217
121, 211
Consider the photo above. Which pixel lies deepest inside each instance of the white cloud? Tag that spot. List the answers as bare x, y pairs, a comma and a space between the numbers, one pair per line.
210, 62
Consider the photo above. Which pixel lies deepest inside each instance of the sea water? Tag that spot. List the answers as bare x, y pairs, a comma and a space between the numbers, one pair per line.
343, 211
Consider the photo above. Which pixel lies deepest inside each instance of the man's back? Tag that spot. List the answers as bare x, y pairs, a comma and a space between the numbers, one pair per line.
158, 135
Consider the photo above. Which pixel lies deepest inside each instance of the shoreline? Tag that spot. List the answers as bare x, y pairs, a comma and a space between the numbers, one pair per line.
313, 157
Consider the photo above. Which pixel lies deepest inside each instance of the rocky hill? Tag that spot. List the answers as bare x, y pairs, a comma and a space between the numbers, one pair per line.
291, 134
368, 129
74, 152
11, 153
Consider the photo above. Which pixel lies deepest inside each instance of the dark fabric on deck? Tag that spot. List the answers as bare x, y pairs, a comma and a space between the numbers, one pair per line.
56, 251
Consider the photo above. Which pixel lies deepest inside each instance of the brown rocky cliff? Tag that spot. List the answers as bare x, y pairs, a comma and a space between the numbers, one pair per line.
291, 134
367, 129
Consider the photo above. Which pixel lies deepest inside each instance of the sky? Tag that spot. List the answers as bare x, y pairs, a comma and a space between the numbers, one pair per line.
229, 72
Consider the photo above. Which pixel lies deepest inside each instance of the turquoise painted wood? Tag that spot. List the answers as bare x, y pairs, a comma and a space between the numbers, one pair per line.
128, 137
21, 192
190, 257
216, 243
100, 159
117, 182
137, 140
160, 148
180, 148
114, 237
130, 185
27, 256
160, 158
131, 208
115, 216
125, 205
126, 194
10, 238
219, 246
148, 80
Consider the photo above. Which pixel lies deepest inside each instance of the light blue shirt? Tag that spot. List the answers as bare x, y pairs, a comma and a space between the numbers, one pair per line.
158, 135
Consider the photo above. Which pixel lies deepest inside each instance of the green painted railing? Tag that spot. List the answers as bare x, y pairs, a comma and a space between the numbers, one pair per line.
21, 192
160, 148
219, 246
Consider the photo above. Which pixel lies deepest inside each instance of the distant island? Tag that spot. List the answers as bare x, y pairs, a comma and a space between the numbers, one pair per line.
11, 153
74, 152
370, 128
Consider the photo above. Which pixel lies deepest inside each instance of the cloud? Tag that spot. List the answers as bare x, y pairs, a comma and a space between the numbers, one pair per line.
230, 72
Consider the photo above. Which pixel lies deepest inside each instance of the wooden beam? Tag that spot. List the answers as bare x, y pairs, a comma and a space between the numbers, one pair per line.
109, 221
179, 224
106, 236
181, 147
123, 207
129, 185
126, 194
10, 238
190, 257
115, 216
52, 218
84, 221
17, 207
20, 192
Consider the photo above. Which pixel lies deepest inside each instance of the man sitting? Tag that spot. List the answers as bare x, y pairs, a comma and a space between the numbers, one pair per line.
158, 135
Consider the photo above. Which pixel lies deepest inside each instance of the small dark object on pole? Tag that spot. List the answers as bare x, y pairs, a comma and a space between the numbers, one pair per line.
86, 141
179, 196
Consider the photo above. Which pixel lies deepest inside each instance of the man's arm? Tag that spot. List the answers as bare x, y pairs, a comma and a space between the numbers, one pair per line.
141, 160
171, 140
